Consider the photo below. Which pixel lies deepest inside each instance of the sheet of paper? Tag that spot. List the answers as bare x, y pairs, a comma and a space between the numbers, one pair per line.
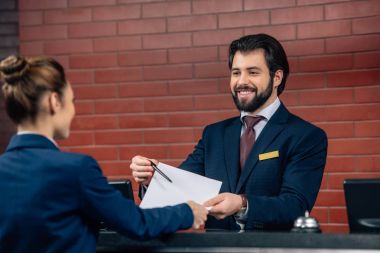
185, 186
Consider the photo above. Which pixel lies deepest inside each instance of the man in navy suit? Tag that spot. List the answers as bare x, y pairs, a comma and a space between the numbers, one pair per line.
268, 184
53, 201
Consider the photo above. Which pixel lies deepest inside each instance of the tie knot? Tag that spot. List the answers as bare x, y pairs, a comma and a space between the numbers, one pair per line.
252, 121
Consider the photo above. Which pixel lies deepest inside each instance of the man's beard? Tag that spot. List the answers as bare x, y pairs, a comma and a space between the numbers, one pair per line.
257, 101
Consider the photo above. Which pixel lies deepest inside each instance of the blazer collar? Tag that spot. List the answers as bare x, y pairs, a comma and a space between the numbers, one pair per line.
30, 141
273, 128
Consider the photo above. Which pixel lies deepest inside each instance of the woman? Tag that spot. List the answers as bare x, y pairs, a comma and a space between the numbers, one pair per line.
53, 201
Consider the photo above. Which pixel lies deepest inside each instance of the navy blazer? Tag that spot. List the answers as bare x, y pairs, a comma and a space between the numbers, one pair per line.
53, 201
278, 189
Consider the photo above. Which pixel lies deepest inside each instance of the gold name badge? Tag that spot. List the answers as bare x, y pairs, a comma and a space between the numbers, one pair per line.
269, 155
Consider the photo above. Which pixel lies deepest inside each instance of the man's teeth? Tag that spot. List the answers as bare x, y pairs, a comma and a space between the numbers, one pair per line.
244, 92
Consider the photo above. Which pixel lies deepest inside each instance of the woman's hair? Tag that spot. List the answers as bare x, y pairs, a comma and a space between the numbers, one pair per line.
25, 81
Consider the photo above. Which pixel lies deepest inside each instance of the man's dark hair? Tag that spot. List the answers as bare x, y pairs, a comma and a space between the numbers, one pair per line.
275, 55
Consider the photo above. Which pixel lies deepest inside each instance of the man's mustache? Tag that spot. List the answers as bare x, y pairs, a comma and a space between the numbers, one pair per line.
245, 88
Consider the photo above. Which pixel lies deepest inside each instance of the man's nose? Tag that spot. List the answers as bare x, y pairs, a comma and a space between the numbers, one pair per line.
243, 79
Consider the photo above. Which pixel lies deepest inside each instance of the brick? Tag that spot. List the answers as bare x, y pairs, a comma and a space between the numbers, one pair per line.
195, 119
320, 213
94, 92
92, 30
118, 137
119, 171
193, 87
118, 75
99, 153
354, 147
367, 128
340, 164
293, 64
167, 40
95, 122
268, 4
120, 43
9, 17
324, 29
312, 114
72, 15
352, 9
119, 12
143, 89
335, 228
77, 139
353, 43
215, 102
68, 46
314, 2
192, 23
367, 60
336, 180
138, 1
304, 47
327, 97
195, 54
84, 107
366, 25
42, 4
330, 198
290, 98
119, 106
168, 104
206, 70
93, 61
367, 94
27, 18
166, 9
338, 129
151, 151
143, 57
179, 151
144, 121
219, 37
305, 81
75, 3
325, 63
45, 32
32, 48
353, 112
245, 19
8, 5
142, 26
280, 32
182, 135
168, 72
216, 6
338, 215
353, 78
80, 77
297, 14
63, 60
368, 164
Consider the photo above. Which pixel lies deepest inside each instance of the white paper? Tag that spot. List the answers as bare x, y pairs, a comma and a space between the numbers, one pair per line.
185, 186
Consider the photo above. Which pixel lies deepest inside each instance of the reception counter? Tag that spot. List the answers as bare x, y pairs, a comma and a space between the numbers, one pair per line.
242, 242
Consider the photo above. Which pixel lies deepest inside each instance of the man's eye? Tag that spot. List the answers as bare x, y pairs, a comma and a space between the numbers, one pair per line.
253, 73
235, 73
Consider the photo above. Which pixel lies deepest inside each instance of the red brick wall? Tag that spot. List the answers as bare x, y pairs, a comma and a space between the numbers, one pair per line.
149, 75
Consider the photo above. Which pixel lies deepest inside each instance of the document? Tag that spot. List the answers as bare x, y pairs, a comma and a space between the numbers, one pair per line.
185, 186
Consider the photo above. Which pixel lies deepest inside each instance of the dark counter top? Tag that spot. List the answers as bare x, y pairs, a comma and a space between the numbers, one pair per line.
242, 242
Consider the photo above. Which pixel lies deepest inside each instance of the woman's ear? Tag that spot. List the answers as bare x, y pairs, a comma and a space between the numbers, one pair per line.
55, 103
277, 79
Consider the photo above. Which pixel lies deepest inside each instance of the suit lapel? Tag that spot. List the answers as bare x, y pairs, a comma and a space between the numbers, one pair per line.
272, 129
231, 152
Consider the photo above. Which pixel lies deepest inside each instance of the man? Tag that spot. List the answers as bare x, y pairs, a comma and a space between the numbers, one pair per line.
268, 184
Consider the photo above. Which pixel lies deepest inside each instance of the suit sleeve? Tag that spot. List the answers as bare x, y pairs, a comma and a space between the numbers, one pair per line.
101, 202
302, 175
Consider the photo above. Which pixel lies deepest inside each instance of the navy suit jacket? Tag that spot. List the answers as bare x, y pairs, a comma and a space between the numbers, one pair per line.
278, 189
53, 201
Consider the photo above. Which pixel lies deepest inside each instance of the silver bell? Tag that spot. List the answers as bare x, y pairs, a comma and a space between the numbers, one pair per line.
306, 224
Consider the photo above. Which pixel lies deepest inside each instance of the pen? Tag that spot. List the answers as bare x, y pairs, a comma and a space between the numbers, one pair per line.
159, 171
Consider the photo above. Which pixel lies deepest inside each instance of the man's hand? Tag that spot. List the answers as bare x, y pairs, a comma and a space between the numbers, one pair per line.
223, 205
200, 214
142, 171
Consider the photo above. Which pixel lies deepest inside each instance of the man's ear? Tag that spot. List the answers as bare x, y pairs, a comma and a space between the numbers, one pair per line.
277, 78
55, 103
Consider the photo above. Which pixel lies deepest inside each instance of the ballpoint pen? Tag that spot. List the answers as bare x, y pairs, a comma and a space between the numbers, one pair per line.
160, 172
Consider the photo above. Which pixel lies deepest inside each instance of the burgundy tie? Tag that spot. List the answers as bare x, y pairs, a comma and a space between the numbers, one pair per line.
248, 138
